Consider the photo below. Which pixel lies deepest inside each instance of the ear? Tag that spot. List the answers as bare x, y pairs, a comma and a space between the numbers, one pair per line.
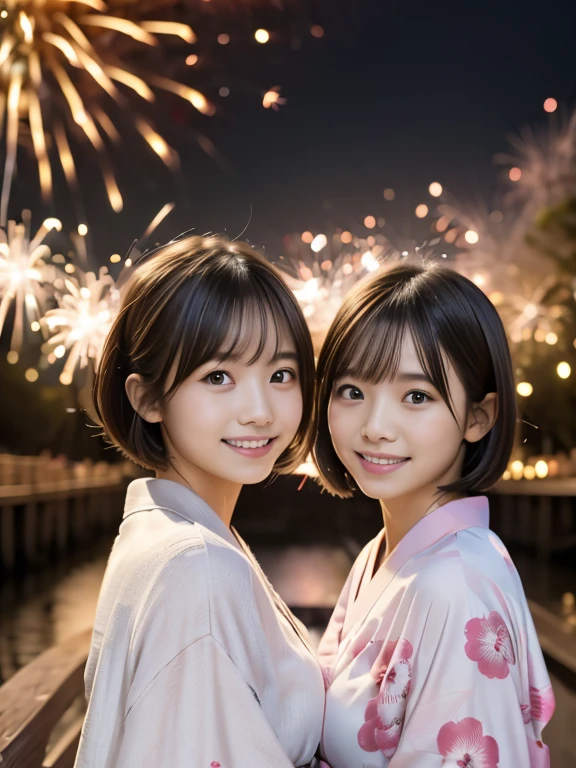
136, 389
481, 418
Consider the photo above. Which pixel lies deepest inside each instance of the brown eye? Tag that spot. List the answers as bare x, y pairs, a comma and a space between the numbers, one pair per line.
218, 378
417, 397
348, 392
283, 376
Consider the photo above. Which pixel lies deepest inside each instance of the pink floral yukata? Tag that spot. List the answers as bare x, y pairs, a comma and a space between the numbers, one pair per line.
434, 660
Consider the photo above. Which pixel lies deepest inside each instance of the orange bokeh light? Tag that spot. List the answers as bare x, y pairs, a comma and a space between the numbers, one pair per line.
550, 105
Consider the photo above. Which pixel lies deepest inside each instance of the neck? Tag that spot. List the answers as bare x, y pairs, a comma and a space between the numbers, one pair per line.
401, 513
221, 495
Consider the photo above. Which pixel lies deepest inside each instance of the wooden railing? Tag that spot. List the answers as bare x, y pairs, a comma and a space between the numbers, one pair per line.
38, 728
540, 514
49, 505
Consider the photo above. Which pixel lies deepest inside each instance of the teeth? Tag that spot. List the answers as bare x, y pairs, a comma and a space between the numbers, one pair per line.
248, 443
374, 460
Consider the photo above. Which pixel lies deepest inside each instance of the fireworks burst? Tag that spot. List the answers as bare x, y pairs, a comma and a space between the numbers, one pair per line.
24, 274
80, 324
60, 70
514, 275
543, 166
321, 270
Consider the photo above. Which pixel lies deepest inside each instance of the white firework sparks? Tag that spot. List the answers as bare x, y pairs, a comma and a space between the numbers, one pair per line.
322, 278
78, 328
24, 274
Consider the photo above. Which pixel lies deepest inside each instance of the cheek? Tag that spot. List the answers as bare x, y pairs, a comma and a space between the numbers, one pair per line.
289, 407
190, 413
341, 424
437, 430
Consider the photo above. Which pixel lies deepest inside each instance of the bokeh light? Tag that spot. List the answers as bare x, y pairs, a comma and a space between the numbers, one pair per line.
319, 242
262, 36
515, 174
389, 194
471, 237
435, 189
370, 222
421, 211
564, 370
524, 389
550, 105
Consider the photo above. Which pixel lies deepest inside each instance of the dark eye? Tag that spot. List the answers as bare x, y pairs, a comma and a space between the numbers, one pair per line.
283, 376
349, 392
218, 378
417, 397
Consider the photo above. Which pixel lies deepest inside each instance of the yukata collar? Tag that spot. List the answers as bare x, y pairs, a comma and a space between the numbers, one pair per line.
148, 493
455, 516
151, 493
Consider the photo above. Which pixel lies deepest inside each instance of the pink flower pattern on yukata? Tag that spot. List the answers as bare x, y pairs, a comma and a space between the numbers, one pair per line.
490, 645
541, 706
384, 714
215, 764
463, 745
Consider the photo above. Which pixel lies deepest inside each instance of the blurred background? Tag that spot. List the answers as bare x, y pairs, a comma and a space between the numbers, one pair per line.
335, 137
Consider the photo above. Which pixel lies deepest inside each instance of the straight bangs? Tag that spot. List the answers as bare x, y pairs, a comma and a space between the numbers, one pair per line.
234, 324
370, 348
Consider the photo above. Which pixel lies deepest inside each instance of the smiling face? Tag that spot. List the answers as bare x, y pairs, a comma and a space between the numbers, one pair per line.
398, 437
233, 418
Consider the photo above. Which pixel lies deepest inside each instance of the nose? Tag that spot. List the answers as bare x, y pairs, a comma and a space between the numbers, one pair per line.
379, 425
255, 407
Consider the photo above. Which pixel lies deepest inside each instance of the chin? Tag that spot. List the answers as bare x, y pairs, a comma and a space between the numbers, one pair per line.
384, 488
252, 476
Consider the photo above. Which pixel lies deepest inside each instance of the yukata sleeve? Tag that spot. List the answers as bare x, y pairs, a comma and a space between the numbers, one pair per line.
199, 712
455, 685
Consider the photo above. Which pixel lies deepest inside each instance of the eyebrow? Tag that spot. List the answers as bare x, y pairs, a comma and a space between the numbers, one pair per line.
283, 355
408, 376
400, 376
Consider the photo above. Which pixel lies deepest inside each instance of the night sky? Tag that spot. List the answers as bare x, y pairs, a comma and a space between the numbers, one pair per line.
396, 94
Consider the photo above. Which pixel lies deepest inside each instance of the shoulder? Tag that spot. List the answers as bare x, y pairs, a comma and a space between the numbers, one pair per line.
198, 561
470, 571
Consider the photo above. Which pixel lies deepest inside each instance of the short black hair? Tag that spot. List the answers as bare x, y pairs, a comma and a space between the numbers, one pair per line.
193, 300
446, 314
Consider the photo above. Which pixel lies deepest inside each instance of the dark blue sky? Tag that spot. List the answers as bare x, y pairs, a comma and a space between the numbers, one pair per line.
397, 94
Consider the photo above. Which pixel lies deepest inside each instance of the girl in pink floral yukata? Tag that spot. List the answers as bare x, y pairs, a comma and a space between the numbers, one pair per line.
430, 658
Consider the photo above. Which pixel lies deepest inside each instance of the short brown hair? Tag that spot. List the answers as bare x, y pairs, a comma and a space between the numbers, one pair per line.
189, 302
445, 313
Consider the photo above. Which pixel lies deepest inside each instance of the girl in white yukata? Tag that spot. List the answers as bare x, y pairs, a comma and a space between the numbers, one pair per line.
430, 658
206, 379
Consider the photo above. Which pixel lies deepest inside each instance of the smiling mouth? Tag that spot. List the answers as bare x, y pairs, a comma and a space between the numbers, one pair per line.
381, 462
249, 443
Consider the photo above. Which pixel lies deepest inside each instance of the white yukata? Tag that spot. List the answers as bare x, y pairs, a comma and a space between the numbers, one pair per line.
434, 660
195, 661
